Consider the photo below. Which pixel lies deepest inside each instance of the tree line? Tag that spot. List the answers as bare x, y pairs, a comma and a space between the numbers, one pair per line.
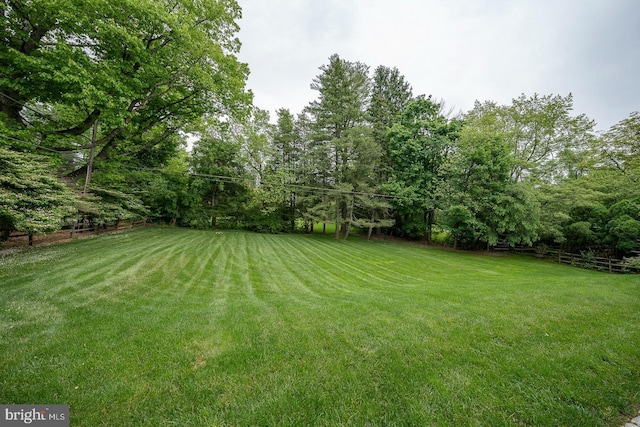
105, 96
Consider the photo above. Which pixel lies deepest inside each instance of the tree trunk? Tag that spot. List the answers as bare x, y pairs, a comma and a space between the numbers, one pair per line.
174, 218
337, 233
343, 226
348, 223
373, 218
92, 153
213, 206
430, 217
293, 211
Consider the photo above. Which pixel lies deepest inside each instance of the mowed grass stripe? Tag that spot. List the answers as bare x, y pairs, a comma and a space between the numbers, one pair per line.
123, 267
346, 260
322, 255
164, 326
300, 271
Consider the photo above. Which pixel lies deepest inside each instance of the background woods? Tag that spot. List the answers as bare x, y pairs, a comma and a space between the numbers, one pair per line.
116, 112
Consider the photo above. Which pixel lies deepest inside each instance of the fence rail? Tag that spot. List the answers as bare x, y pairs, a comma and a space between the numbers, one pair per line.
611, 265
74, 231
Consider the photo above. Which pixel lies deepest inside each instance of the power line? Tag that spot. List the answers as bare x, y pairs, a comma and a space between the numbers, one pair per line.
39, 113
247, 181
24, 105
220, 178
28, 143
323, 190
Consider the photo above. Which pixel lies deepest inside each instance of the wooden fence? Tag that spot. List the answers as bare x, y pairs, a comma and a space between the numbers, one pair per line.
75, 231
588, 260
584, 260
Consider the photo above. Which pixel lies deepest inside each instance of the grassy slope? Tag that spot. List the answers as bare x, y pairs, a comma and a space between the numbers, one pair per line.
177, 327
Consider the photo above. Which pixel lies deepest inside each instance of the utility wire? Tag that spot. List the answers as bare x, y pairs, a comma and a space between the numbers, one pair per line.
29, 143
241, 180
247, 181
39, 113
219, 178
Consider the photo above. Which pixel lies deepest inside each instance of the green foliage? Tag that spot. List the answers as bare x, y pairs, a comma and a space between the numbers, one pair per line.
624, 233
343, 90
585, 213
114, 205
390, 95
342, 142
125, 83
479, 172
31, 198
462, 224
138, 72
630, 207
516, 214
623, 228
632, 263
555, 203
253, 136
286, 143
372, 213
620, 146
316, 209
586, 226
139, 66
262, 212
546, 141
580, 234
419, 143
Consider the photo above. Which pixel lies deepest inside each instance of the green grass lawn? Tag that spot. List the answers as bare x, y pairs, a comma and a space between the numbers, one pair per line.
172, 327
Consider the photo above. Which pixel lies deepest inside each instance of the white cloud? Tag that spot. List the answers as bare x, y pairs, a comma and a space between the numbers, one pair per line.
457, 50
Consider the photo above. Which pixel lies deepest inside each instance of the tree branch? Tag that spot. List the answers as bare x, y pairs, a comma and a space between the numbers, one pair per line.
83, 127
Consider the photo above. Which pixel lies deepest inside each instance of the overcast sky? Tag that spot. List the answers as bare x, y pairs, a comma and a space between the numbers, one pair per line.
456, 50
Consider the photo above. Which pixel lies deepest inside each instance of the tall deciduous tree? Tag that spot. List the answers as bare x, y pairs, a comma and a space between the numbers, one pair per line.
419, 143
143, 69
487, 205
134, 64
620, 146
616, 177
543, 136
596, 211
254, 135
